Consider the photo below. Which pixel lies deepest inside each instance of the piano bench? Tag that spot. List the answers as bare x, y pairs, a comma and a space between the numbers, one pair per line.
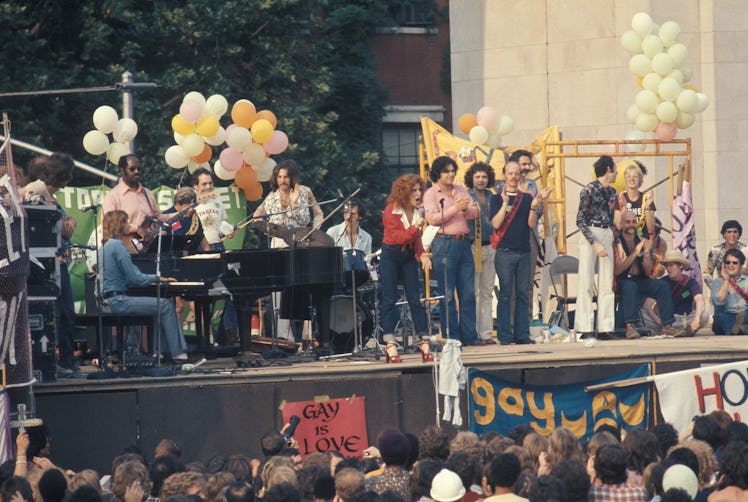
119, 321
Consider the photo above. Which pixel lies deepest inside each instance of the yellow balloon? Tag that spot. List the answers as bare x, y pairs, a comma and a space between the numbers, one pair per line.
181, 126
262, 130
207, 126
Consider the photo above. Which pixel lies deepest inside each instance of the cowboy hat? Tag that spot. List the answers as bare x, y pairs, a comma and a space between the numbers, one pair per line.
673, 256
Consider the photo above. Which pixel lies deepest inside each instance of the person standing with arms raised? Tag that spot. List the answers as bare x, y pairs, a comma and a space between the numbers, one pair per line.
449, 206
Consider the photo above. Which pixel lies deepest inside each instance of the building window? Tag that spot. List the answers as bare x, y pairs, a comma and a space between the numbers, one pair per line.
400, 146
414, 13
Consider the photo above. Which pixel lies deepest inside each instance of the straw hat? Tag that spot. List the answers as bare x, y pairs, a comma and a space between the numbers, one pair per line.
673, 256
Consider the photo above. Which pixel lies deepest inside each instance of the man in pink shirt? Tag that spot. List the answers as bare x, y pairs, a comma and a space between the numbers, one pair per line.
130, 196
450, 206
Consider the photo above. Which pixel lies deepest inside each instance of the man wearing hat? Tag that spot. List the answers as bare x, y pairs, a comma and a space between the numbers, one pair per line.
688, 298
447, 487
731, 232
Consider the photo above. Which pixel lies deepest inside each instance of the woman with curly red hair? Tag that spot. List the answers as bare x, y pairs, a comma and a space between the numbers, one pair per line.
402, 250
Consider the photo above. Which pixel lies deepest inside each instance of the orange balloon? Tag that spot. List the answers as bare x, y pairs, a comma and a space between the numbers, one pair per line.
205, 155
243, 113
254, 192
246, 177
269, 116
466, 122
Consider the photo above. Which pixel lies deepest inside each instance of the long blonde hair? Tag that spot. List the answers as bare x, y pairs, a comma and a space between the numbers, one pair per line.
111, 224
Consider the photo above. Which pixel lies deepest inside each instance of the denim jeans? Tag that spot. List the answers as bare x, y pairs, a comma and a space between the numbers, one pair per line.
65, 318
460, 272
172, 338
397, 266
513, 269
724, 321
635, 289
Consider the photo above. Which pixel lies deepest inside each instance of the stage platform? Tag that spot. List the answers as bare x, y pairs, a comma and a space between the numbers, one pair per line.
224, 409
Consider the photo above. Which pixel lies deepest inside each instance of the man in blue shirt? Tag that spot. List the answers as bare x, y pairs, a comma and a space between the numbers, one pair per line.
513, 214
119, 273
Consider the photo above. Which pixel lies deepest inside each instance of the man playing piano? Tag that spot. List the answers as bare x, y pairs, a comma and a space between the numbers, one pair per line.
119, 273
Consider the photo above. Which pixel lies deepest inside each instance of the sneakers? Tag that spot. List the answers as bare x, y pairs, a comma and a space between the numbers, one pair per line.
631, 332
669, 331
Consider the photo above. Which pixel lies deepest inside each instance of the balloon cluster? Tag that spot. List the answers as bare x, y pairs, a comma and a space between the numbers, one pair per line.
666, 102
106, 121
250, 139
486, 127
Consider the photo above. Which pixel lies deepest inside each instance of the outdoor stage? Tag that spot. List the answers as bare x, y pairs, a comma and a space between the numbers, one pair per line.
225, 409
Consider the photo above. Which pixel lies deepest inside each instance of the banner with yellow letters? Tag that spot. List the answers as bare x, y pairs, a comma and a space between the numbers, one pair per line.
497, 405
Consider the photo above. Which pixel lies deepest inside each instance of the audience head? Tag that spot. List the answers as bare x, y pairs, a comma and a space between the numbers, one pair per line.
83, 494
447, 487
167, 447
685, 456
612, 429
86, 477
307, 476
414, 450
502, 473
217, 483
643, 449
324, 488
394, 448
534, 443
38, 441
707, 428
737, 431
240, 466
465, 465
240, 492
518, 433
126, 474
434, 443
562, 443
282, 492
53, 486
546, 489
349, 484
162, 468
573, 475
610, 464
708, 463
465, 441
423, 475
676, 495
272, 443
17, 484
183, 483
733, 466
666, 436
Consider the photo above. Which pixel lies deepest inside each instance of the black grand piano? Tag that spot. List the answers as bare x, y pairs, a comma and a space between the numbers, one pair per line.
303, 272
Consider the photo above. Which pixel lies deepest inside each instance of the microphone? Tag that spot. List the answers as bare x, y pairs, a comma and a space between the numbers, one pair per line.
89, 208
292, 423
441, 202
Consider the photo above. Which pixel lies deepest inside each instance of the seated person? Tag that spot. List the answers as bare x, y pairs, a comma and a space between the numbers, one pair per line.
634, 261
730, 295
686, 294
731, 232
120, 273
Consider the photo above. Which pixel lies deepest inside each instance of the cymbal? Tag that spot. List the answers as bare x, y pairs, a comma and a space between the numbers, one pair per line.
268, 228
317, 238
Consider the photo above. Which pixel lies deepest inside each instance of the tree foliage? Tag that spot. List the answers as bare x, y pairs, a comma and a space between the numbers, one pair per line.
309, 61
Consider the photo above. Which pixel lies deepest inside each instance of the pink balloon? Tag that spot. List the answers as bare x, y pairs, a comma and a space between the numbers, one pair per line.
487, 117
191, 110
231, 159
277, 143
666, 131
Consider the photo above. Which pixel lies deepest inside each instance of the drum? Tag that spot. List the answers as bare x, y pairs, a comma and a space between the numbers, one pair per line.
342, 323
354, 262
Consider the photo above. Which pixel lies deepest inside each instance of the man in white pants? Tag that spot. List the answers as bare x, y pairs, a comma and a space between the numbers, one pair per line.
478, 179
595, 222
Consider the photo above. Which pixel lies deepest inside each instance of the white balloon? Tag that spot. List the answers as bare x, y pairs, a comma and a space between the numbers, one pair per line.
254, 154
494, 139
676, 75
175, 157
687, 73
95, 142
223, 173
196, 96
687, 101
631, 42
105, 119
193, 166
178, 138
117, 150
216, 105
239, 138
669, 33
646, 122
646, 101
684, 120
651, 81
667, 111
218, 138
265, 169
678, 54
662, 63
478, 134
640, 65
125, 130
632, 112
635, 136
193, 144
668, 89
703, 102
506, 125
641, 23
652, 45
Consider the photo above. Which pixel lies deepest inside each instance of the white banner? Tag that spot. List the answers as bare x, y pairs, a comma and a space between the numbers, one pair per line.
685, 394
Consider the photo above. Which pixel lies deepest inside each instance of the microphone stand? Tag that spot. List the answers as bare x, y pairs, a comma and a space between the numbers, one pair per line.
158, 371
357, 342
447, 300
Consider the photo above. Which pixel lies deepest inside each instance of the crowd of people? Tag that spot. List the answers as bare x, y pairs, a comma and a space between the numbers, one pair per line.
707, 462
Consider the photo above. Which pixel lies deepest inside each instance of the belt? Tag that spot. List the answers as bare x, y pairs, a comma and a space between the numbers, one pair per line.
454, 237
599, 226
109, 294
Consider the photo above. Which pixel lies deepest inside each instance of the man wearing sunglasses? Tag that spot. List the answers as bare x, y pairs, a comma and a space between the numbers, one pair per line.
130, 196
731, 232
730, 295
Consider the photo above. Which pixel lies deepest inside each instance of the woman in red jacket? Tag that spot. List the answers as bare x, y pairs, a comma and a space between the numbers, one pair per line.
402, 251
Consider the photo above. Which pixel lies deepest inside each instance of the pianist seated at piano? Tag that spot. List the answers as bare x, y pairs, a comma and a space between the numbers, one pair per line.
120, 273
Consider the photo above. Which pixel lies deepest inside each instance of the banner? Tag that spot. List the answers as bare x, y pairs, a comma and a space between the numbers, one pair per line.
685, 394
334, 424
498, 405
684, 230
